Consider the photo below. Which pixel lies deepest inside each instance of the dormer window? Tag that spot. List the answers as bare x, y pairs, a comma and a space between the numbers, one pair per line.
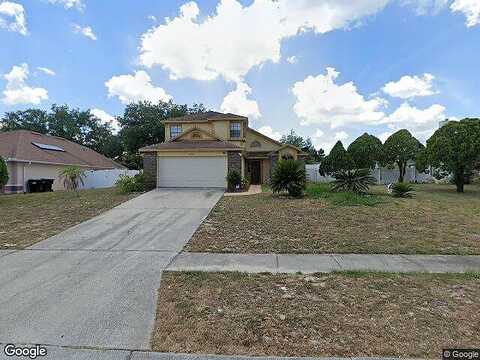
175, 130
235, 130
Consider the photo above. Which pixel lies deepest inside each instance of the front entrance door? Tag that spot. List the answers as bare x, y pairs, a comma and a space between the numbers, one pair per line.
255, 172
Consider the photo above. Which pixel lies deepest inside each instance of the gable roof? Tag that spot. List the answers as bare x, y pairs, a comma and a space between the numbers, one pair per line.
206, 116
191, 145
192, 129
26, 145
265, 136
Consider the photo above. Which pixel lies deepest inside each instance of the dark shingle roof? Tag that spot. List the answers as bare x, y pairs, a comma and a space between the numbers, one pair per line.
192, 145
206, 116
19, 145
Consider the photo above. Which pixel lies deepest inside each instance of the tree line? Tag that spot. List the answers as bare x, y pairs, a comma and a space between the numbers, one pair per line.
453, 150
140, 125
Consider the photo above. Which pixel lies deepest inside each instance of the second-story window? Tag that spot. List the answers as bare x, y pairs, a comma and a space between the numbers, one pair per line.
235, 130
175, 130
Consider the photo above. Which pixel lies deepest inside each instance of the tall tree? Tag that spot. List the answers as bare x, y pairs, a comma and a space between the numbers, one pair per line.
304, 144
400, 148
454, 149
365, 151
31, 119
338, 160
76, 125
141, 125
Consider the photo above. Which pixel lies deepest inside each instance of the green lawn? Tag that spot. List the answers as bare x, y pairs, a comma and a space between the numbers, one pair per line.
436, 221
30, 218
338, 314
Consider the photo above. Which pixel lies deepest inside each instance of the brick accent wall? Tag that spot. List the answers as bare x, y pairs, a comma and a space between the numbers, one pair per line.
150, 169
234, 161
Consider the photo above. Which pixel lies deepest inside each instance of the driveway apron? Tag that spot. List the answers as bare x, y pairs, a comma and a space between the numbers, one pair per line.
95, 285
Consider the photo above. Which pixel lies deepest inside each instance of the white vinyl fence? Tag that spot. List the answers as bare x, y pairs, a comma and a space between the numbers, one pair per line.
97, 179
382, 174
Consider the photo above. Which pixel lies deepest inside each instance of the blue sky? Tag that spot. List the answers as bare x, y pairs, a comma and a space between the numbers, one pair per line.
330, 69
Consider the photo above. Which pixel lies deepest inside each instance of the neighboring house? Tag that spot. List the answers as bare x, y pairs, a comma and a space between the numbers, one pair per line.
200, 149
33, 156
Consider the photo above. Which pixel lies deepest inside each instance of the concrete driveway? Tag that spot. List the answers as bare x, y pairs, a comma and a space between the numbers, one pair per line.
95, 285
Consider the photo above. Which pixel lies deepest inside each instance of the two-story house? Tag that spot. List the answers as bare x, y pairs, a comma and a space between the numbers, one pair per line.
200, 149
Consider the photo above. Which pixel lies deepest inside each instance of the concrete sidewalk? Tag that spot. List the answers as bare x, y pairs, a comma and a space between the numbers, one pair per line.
279, 263
72, 353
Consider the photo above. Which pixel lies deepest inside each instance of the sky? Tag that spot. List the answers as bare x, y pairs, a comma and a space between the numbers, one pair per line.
329, 69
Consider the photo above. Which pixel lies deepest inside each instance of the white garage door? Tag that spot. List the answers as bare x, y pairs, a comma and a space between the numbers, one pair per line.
208, 171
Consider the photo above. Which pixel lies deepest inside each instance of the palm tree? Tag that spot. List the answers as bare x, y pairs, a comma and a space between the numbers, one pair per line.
72, 177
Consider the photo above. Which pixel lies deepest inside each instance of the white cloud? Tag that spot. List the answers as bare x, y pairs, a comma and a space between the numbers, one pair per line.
421, 123
318, 134
342, 136
152, 18
268, 131
106, 118
18, 92
384, 136
470, 8
86, 31
321, 101
237, 102
135, 88
46, 71
292, 59
425, 7
68, 4
237, 38
326, 141
411, 86
12, 17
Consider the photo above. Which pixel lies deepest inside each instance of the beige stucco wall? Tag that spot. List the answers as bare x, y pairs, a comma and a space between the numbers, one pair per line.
40, 171
219, 128
12, 169
26, 171
266, 164
186, 126
266, 145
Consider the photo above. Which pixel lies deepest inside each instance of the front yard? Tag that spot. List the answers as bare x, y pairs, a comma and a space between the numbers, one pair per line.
337, 314
29, 218
436, 221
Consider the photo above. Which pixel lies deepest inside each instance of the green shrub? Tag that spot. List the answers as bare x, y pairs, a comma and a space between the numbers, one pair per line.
402, 190
3, 173
234, 180
357, 181
289, 175
245, 184
130, 184
72, 177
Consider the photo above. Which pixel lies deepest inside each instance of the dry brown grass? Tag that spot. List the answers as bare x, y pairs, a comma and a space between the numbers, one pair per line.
29, 218
340, 314
436, 221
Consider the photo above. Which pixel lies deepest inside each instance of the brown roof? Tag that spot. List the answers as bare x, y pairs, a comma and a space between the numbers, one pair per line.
206, 116
19, 145
192, 145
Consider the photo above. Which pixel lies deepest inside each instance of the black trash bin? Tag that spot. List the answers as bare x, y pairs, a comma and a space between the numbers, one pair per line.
40, 185
47, 185
33, 186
